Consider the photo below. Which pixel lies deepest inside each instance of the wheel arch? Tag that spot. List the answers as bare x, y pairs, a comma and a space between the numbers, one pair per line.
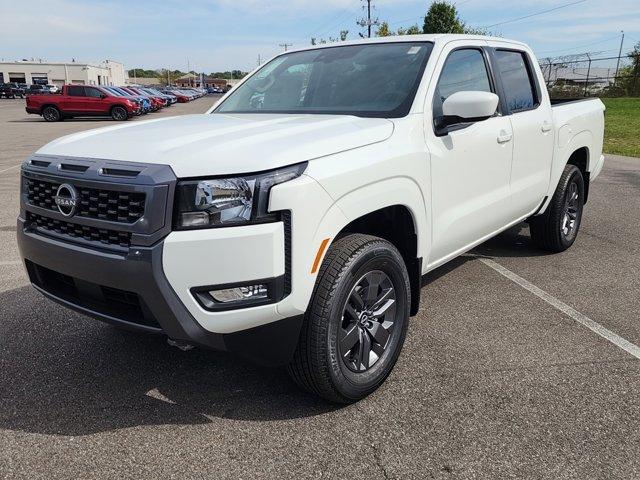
576, 152
43, 106
396, 224
393, 209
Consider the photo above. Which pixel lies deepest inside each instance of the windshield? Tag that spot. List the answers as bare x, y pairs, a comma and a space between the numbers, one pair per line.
374, 80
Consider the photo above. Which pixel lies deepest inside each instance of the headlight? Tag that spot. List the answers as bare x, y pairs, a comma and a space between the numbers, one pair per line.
221, 202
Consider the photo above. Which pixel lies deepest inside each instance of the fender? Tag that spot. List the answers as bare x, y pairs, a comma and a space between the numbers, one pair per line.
333, 219
565, 147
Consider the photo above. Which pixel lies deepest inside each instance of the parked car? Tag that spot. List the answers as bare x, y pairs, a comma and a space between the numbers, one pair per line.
53, 88
182, 97
301, 235
156, 102
35, 89
11, 90
170, 99
145, 102
81, 101
160, 99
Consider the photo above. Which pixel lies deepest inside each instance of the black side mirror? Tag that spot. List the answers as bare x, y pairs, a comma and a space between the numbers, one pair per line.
103, 96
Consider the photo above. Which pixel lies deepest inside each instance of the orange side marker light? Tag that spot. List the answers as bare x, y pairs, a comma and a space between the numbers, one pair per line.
316, 262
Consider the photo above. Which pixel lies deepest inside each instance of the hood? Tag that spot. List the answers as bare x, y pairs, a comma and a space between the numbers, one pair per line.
220, 144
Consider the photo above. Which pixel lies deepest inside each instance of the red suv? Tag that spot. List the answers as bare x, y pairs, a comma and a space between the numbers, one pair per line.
82, 101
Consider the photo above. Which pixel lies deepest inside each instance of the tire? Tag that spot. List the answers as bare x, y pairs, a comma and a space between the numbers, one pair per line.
119, 113
556, 230
338, 316
51, 114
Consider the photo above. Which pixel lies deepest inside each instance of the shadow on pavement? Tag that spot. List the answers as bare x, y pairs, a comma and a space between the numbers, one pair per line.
514, 242
62, 373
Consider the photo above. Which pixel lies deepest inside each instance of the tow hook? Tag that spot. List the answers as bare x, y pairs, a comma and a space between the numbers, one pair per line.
185, 347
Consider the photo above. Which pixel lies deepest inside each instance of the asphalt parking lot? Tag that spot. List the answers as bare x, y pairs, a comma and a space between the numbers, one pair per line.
498, 378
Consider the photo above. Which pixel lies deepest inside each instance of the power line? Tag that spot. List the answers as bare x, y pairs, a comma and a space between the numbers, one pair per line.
580, 46
368, 22
334, 20
535, 14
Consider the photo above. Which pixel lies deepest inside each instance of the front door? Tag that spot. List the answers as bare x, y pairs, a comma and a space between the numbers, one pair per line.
471, 166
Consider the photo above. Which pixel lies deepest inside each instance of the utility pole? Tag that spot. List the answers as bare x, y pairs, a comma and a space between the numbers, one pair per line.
615, 79
285, 45
368, 22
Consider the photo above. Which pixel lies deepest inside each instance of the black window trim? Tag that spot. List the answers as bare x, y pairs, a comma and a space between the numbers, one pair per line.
533, 79
494, 84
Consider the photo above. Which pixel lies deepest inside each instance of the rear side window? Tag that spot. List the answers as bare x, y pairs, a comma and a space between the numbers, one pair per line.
464, 70
519, 90
75, 91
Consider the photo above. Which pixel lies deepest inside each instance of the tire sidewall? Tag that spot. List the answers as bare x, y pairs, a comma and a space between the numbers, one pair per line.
115, 116
54, 109
575, 175
376, 257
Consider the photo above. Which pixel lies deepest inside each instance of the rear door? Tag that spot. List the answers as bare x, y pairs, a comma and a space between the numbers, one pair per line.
531, 119
73, 101
470, 166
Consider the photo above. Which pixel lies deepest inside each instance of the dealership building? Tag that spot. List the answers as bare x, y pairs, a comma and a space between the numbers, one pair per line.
108, 72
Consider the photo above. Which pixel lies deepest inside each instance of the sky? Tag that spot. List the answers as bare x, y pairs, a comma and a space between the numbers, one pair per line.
219, 35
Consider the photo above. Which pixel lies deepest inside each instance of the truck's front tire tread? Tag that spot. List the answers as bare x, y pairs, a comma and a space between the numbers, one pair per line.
310, 365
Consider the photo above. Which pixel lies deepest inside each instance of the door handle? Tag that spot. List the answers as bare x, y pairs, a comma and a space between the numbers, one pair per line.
504, 136
546, 126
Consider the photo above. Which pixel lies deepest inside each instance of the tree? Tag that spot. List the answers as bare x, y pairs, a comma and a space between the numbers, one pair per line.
341, 38
442, 17
385, 31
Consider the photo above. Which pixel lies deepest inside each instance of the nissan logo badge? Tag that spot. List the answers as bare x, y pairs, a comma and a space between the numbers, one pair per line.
66, 199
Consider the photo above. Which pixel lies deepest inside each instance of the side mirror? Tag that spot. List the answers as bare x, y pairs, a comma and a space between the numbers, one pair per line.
103, 96
466, 107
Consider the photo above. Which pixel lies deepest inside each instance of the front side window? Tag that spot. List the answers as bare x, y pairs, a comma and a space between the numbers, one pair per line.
75, 91
375, 80
93, 92
464, 70
518, 88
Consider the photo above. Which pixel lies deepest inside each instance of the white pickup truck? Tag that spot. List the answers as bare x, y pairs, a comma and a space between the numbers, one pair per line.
292, 224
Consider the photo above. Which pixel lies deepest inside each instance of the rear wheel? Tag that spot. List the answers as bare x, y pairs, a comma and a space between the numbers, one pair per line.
557, 228
119, 113
51, 114
355, 326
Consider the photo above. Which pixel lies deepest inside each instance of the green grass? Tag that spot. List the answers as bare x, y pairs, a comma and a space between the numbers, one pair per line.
622, 126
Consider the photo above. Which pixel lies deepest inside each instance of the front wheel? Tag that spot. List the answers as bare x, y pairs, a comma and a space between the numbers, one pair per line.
119, 114
357, 320
557, 228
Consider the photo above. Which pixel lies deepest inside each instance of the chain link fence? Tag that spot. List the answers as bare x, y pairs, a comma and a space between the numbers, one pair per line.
590, 75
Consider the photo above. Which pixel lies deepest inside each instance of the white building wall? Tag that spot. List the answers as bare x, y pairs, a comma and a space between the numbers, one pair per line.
108, 73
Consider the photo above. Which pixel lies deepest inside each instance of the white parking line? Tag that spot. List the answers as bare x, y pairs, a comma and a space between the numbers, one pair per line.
592, 325
10, 168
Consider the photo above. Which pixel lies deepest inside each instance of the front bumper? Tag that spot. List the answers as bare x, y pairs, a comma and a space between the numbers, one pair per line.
141, 275
131, 290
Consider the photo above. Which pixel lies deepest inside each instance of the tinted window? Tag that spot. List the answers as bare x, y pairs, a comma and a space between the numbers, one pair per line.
519, 91
92, 92
367, 80
464, 70
75, 91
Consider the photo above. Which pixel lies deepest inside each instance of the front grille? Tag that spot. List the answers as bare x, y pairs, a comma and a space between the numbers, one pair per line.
101, 204
112, 302
76, 231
